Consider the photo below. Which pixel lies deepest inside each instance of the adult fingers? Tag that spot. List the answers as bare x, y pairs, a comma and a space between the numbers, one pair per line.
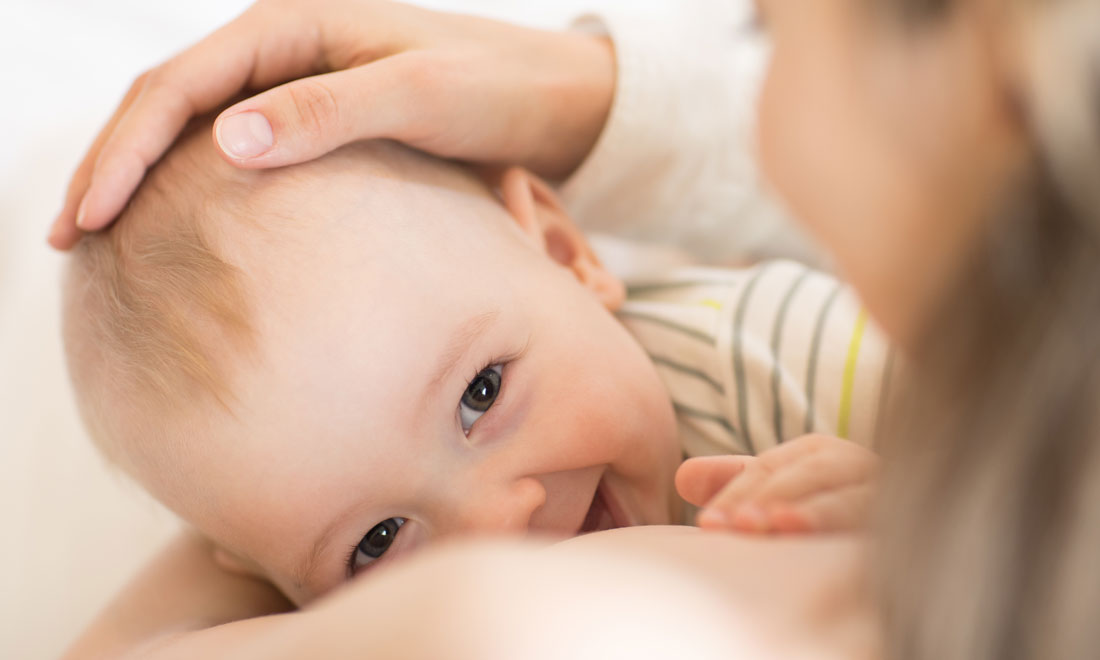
257, 47
64, 233
304, 119
698, 480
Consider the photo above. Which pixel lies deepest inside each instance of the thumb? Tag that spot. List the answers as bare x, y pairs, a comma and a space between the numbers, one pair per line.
698, 480
307, 118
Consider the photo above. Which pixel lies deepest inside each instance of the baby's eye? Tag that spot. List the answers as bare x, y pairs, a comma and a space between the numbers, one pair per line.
375, 543
479, 396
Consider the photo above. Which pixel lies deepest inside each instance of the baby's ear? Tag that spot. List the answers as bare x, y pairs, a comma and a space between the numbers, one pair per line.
540, 215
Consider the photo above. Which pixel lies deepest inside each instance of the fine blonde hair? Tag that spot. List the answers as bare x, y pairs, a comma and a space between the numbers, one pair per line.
154, 315
160, 308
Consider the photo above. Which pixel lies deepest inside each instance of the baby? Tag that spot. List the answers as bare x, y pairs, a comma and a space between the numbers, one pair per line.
329, 366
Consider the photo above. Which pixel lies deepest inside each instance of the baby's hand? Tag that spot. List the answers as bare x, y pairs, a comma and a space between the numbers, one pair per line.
814, 483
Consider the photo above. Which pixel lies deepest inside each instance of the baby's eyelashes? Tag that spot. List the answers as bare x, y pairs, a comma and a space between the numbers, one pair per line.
374, 544
479, 396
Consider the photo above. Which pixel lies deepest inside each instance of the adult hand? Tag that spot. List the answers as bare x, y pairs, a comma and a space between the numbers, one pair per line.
456, 86
814, 483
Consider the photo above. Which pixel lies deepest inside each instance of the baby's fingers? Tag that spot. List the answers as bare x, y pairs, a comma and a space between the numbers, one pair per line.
698, 480
725, 510
818, 472
841, 510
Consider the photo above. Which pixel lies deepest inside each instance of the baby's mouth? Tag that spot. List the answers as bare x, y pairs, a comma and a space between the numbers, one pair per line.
604, 513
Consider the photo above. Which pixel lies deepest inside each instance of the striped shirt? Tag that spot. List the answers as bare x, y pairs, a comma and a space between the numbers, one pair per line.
756, 356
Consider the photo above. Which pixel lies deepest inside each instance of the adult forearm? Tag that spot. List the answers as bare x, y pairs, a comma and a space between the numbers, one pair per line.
181, 590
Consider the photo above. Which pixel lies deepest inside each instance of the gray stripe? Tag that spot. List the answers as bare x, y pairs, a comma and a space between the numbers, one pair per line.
647, 287
739, 358
883, 397
777, 335
691, 332
815, 348
689, 371
710, 417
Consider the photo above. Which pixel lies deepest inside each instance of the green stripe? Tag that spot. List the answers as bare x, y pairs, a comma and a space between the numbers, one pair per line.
683, 329
709, 417
649, 287
815, 348
844, 415
739, 358
688, 371
777, 335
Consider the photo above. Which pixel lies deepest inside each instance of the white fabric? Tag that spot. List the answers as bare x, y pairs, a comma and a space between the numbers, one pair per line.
676, 159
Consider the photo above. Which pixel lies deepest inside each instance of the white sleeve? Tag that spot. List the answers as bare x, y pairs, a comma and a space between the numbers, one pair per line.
676, 160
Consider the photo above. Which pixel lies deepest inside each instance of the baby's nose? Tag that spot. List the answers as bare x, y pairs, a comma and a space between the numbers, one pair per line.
501, 508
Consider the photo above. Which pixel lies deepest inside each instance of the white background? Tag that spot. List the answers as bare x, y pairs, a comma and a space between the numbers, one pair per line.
71, 530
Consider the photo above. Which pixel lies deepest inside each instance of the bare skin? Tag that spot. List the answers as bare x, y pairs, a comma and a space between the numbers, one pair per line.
644, 587
203, 595
355, 69
814, 483
922, 161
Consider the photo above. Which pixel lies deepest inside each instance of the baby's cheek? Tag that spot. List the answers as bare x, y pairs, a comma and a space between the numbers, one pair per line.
637, 428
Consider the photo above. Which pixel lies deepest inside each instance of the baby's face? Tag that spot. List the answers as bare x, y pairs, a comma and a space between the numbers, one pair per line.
424, 370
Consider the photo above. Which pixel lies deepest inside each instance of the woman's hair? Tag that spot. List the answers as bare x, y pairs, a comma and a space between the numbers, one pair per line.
991, 502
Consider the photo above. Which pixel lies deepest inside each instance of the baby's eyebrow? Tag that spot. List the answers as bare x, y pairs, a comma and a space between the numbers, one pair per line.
460, 342
449, 359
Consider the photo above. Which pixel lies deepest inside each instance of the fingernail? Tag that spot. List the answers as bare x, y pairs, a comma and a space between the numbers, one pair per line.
245, 135
752, 517
712, 518
81, 212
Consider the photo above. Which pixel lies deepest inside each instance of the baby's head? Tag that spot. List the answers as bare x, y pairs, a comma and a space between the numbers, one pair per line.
352, 358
